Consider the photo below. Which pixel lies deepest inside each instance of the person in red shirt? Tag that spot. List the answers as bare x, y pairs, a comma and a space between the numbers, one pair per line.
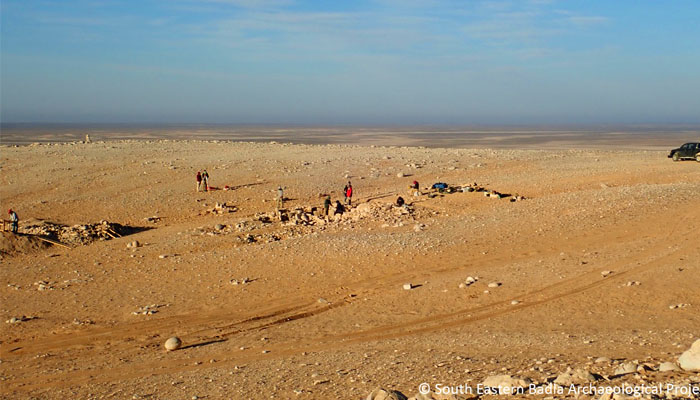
348, 194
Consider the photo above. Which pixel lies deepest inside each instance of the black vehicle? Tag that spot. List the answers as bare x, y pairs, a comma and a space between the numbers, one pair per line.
689, 151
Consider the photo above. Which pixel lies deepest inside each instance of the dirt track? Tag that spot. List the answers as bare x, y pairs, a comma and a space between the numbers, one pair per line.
324, 314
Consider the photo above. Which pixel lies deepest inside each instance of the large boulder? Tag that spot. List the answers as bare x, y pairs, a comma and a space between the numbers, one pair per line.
690, 360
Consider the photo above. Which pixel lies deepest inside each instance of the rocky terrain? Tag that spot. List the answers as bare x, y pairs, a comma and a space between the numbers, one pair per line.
535, 274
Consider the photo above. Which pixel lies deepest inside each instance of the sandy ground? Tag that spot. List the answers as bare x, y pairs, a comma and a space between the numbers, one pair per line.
320, 310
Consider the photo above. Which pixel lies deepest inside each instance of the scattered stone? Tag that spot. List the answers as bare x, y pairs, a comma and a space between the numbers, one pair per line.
147, 310
633, 283
574, 377
506, 384
514, 302
616, 396
43, 285
385, 394
606, 273
173, 343
625, 368
494, 284
603, 360
400, 175
133, 244
468, 282
443, 396
668, 366
690, 360
407, 286
679, 305
221, 208
23, 318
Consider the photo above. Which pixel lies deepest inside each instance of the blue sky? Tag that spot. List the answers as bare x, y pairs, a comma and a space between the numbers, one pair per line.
351, 62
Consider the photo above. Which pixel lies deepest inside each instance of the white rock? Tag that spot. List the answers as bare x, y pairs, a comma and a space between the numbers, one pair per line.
628, 367
494, 284
514, 302
385, 394
444, 396
606, 273
506, 384
574, 377
668, 366
616, 396
400, 175
690, 360
407, 286
173, 343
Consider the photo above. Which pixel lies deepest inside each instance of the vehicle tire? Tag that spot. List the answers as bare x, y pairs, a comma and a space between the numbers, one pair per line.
675, 157
697, 157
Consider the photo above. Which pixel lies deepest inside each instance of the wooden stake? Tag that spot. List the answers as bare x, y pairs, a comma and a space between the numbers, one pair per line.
52, 242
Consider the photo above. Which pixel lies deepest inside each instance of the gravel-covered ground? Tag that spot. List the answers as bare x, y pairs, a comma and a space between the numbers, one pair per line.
598, 266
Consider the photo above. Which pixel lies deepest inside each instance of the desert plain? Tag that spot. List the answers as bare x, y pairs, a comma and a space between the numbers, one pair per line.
588, 261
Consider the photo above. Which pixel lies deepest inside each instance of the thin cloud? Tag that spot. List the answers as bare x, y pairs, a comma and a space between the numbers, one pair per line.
588, 20
252, 4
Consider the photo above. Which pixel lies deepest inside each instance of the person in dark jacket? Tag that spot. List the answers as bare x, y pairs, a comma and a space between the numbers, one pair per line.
14, 221
326, 205
339, 208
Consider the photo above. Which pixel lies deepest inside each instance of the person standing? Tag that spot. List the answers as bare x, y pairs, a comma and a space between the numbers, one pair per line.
205, 180
348, 194
326, 205
199, 180
14, 221
280, 197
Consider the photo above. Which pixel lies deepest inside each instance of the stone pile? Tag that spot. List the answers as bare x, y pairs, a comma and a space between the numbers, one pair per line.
303, 221
76, 234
